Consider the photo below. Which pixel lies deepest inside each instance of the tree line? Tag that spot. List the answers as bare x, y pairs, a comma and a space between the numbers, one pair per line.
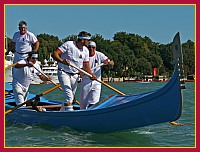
133, 55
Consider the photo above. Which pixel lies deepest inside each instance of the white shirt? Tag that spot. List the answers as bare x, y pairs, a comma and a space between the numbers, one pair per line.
76, 56
90, 90
24, 76
24, 42
96, 60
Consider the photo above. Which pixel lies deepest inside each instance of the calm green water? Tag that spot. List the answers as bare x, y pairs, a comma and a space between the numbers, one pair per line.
164, 134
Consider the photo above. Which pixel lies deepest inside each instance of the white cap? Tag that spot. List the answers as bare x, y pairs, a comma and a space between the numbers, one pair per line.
92, 44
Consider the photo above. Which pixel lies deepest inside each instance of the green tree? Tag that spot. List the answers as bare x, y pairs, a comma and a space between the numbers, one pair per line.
144, 66
48, 44
189, 57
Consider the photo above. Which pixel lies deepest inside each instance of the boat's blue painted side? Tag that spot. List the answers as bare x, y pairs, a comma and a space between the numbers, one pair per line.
117, 113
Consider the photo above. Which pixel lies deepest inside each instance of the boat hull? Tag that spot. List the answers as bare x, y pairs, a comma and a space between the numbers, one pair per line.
117, 113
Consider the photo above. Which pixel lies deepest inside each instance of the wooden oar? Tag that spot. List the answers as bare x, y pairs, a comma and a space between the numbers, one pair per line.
11, 65
46, 76
76, 101
176, 123
46, 106
97, 66
6, 92
89, 75
18, 106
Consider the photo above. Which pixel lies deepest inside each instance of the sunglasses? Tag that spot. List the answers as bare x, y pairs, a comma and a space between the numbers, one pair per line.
91, 47
34, 58
22, 28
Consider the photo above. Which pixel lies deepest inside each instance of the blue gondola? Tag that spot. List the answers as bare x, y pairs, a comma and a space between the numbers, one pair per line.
116, 113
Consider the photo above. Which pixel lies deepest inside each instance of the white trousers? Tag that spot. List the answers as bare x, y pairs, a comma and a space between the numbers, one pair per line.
90, 93
68, 84
20, 94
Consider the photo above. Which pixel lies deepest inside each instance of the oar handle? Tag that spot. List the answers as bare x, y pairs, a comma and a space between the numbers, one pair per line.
11, 65
46, 76
47, 91
89, 75
18, 106
107, 85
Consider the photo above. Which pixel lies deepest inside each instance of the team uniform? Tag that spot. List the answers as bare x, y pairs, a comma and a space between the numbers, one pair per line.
23, 44
22, 78
67, 75
90, 90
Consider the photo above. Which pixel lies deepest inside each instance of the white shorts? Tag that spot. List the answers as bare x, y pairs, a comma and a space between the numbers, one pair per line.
68, 83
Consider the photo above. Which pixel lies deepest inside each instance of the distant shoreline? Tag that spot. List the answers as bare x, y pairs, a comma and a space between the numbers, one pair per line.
126, 81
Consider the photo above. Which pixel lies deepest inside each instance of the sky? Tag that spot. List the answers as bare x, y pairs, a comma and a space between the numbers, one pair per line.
158, 22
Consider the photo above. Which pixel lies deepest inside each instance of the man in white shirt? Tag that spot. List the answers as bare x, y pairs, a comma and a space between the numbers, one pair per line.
76, 53
23, 75
90, 90
23, 41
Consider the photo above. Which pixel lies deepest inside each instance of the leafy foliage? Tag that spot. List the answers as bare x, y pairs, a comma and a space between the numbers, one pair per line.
133, 55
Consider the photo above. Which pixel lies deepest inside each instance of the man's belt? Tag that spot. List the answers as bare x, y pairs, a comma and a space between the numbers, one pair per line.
67, 72
23, 53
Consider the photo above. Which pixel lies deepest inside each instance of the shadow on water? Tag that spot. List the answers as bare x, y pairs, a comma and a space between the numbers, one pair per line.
43, 135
